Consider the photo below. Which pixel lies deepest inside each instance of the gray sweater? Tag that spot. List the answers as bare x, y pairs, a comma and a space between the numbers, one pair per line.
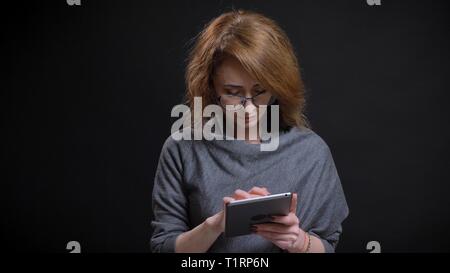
193, 176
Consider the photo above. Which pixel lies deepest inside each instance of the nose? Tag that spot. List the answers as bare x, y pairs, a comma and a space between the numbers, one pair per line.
247, 100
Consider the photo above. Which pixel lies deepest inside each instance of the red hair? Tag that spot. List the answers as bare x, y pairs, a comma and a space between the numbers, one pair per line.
262, 48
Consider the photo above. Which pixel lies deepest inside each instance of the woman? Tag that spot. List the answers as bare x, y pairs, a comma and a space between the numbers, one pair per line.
243, 59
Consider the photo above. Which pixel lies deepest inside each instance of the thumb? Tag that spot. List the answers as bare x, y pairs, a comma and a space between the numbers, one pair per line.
227, 200
293, 208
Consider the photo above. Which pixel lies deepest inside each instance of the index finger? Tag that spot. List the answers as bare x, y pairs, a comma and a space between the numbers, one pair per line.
241, 194
290, 219
259, 191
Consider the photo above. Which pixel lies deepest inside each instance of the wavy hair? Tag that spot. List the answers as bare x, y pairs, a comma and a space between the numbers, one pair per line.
262, 48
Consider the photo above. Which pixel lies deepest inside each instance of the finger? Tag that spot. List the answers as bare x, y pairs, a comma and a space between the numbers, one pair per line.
259, 191
294, 204
273, 236
281, 243
240, 194
254, 195
277, 228
289, 220
227, 199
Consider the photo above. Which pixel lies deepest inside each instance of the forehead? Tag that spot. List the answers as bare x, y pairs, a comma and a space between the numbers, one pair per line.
231, 71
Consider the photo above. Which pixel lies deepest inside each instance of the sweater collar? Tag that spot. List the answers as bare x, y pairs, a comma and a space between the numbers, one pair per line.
241, 147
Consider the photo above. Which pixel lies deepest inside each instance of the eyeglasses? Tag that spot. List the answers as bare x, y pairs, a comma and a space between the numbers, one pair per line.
238, 102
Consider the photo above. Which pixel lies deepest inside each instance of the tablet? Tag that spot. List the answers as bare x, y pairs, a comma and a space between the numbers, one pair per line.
240, 215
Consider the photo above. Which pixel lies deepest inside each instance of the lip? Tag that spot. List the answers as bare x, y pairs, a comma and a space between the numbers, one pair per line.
250, 118
247, 119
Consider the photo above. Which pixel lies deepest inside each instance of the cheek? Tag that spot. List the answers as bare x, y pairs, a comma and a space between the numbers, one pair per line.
252, 122
261, 112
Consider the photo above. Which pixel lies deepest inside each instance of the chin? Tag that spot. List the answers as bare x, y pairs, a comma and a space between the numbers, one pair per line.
251, 124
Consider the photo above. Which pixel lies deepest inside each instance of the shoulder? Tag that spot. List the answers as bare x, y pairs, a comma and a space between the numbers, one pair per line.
309, 140
176, 146
173, 144
315, 156
307, 147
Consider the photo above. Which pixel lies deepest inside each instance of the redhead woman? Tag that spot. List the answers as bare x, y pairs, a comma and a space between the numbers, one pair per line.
245, 60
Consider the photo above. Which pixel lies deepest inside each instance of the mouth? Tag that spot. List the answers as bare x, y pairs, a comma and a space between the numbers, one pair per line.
249, 118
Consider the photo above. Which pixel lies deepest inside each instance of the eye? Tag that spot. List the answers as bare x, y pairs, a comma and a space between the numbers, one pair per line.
232, 92
259, 92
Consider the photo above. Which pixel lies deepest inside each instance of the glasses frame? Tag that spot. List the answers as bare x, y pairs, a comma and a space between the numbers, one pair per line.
243, 99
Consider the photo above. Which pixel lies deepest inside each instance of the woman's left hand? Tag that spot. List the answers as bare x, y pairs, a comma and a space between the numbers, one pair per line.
285, 231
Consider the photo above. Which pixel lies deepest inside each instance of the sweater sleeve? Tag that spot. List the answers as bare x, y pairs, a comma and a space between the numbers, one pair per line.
328, 204
169, 200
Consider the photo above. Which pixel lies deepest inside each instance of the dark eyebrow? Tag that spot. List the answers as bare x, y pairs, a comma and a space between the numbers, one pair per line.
239, 86
232, 85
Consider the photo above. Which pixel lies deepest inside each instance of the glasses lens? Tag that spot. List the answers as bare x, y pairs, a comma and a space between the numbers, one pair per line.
232, 101
261, 99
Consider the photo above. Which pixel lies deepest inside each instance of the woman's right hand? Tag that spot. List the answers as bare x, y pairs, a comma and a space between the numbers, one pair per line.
217, 221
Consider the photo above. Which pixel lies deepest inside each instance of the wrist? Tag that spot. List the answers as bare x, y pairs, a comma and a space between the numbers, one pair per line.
302, 244
306, 243
213, 225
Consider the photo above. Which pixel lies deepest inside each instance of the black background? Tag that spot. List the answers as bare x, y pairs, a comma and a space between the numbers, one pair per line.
88, 91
